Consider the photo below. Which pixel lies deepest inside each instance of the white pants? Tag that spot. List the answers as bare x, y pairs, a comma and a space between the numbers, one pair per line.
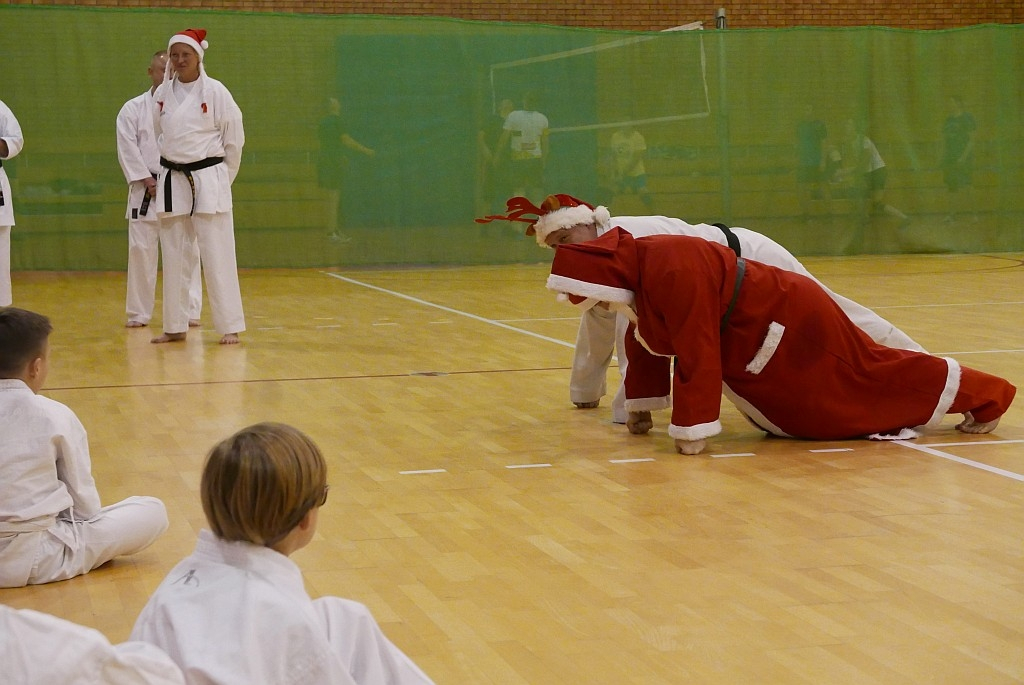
6, 296
354, 635
215, 234
601, 333
71, 548
143, 256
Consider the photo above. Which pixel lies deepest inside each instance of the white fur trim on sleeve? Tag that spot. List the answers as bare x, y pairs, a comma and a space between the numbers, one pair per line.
649, 403
949, 392
768, 347
698, 432
602, 293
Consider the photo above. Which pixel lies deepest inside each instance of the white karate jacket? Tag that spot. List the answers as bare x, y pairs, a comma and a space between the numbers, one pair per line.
234, 613
39, 649
205, 123
10, 130
137, 152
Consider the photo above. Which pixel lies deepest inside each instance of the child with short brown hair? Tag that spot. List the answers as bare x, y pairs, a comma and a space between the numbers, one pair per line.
52, 526
236, 610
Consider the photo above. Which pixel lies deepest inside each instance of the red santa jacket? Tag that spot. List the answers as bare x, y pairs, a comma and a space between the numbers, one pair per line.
790, 357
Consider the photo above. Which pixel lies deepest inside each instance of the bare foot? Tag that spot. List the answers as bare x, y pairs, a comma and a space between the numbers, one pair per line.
690, 446
969, 425
135, 324
230, 339
587, 405
193, 323
639, 422
168, 337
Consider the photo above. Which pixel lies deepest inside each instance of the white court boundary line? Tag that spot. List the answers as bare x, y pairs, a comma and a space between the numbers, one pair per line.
928, 449
448, 309
919, 448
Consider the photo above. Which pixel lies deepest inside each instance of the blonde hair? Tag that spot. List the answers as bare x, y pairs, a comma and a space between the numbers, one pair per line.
258, 484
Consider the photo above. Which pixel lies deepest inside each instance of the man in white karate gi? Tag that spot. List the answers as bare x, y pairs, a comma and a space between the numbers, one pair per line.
11, 143
52, 525
140, 161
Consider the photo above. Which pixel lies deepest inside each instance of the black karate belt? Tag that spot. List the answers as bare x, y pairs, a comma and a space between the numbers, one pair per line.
144, 207
741, 268
186, 169
730, 237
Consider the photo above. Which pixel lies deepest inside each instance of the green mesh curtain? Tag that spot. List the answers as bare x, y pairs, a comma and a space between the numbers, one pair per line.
728, 119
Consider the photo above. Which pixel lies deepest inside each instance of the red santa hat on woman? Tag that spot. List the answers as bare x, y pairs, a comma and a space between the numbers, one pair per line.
194, 38
555, 212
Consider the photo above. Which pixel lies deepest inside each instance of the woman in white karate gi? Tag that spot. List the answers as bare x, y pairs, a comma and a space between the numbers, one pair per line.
236, 610
199, 132
11, 142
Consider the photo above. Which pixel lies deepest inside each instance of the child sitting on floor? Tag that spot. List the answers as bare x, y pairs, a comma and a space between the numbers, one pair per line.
52, 526
236, 610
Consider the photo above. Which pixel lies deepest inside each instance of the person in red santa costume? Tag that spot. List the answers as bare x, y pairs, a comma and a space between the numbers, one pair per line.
782, 349
562, 219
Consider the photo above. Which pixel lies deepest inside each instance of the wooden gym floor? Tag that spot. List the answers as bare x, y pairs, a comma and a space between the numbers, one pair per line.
501, 536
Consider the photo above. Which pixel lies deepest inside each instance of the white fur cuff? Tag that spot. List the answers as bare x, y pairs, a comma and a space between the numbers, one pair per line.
649, 403
698, 432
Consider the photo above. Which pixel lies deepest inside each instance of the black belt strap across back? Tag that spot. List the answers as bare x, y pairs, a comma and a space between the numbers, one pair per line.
741, 269
186, 169
730, 237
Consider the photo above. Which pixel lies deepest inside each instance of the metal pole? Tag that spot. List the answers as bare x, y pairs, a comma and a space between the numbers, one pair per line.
723, 122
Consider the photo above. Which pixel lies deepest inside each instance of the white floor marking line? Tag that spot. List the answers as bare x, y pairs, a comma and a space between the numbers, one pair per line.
835, 449
945, 304
449, 310
330, 325
974, 444
270, 328
957, 354
421, 471
551, 318
631, 461
735, 454
528, 466
960, 460
385, 323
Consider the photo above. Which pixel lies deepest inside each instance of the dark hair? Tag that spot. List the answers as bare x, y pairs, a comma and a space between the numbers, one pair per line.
23, 336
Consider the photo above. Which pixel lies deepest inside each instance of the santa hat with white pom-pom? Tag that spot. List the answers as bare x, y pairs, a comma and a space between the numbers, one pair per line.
194, 38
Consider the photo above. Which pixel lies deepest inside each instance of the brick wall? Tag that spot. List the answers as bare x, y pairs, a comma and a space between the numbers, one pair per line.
641, 16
